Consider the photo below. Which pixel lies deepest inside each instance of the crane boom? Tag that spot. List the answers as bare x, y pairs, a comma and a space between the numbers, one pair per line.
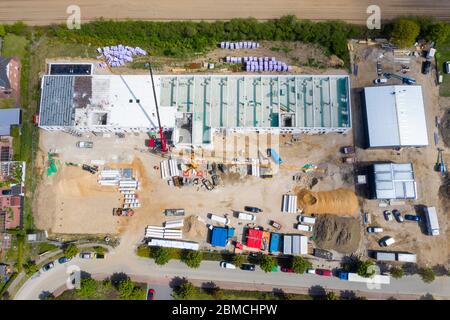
161, 131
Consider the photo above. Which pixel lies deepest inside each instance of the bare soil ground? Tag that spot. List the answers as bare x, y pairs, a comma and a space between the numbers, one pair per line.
409, 236
156, 195
54, 11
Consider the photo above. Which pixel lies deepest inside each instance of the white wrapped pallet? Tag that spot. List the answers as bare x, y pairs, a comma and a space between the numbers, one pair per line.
155, 227
174, 236
174, 225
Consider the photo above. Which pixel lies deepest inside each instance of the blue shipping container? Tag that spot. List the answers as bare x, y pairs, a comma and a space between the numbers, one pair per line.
275, 156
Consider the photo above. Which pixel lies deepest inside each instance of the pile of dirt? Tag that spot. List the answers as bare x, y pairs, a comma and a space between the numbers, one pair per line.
340, 201
337, 233
194, 229
444, 192
445, 128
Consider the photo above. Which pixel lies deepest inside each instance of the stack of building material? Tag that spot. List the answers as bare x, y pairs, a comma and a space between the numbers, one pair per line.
169, 168
163, 232
109, 177
289, 203
172, 224
117, 56
239, 45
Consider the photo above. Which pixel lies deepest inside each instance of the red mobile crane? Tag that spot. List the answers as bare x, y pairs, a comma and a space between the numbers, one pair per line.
161, 131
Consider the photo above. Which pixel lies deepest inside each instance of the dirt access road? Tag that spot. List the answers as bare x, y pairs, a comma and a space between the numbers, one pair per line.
42, 12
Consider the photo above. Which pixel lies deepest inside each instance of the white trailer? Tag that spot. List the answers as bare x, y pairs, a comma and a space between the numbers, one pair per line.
173, 244
308, 220
289, 203
219, 219
432, 221
376, 279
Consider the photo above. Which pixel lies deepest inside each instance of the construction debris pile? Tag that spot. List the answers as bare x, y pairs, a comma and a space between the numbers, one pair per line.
116, 56
124, 180
337, 233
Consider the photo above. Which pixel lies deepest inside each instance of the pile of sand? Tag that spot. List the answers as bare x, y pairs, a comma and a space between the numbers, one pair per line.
194, 229
337, 233
340, 201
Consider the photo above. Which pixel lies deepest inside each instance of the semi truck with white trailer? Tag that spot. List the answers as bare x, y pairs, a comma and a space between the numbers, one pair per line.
354, 277
432, 221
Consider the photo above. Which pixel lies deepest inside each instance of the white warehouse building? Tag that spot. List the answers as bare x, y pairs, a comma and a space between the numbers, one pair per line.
394, 116
195, 106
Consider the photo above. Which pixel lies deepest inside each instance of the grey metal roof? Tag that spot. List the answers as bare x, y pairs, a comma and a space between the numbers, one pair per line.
394, 181
4, 80
395, 116
57, 101
8, 117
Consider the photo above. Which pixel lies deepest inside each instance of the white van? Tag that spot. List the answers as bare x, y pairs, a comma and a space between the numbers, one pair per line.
246, 216
227, 265
302, 227
219, 219
305, 219
386, 242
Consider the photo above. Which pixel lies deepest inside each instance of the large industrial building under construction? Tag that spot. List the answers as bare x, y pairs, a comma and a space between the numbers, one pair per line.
194, 106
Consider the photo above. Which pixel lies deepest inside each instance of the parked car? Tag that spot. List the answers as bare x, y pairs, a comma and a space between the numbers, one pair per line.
380, 81
398, 216
246, 216
388, 215
379, 68
349, 159
87, 255
85, 144
374, 229
386, 241
447, 67
412, 217
64, 260
275, 224
324, 272
151, 294
285, 269
48, 266
248, 267
227, 265
303, 227
426, 67
208, 185
311, 271
252, 209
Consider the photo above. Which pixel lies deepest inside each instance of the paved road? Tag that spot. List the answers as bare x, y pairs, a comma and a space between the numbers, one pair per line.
146, 270
41, 12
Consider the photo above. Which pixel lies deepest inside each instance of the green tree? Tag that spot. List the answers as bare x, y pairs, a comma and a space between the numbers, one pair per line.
299, 264
185, 291
332, 296
439, 32
365, 269
88, 288
267, 263
427, 275
128, 290
397, 272
2, 30
238, 260
192, 258
30, 268
405, 32
161, 255
18, 28
70, 251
